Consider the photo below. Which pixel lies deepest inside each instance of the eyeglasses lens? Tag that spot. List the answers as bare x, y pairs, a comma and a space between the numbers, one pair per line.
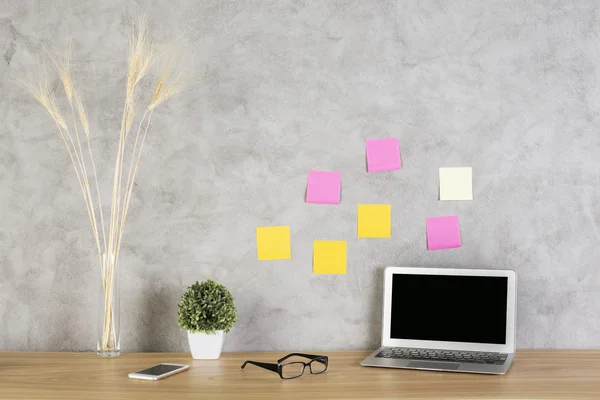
318, 365
292, 370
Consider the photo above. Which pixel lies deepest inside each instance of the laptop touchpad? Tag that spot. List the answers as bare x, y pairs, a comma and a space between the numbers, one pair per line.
433, 365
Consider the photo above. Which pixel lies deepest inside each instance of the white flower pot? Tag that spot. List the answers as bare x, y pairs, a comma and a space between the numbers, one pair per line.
206, 347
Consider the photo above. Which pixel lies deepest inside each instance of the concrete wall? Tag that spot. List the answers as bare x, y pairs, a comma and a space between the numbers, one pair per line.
507, 87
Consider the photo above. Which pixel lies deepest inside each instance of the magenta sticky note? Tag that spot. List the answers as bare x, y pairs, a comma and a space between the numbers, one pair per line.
324, 187
383, 155
443, 233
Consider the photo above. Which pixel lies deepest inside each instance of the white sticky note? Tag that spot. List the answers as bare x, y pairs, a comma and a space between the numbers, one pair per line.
456, 183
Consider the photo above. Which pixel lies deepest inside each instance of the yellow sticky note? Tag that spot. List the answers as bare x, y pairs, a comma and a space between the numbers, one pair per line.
374, 220
273, 243
329, 257
456, 183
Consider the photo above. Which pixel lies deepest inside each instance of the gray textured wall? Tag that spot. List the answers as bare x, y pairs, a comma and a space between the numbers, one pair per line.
508, 87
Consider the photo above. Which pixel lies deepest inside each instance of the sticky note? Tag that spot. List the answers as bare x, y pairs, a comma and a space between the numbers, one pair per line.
443, 233
329, 257
374, 220
456, 183
273, 243
324, 187
383, 155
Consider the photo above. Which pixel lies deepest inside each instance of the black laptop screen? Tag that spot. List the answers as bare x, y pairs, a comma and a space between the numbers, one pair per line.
449, 308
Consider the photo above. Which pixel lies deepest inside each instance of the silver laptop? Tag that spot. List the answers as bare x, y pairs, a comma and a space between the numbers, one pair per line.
459, 320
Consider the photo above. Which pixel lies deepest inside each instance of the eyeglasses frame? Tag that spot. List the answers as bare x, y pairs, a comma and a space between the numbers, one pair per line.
278, 368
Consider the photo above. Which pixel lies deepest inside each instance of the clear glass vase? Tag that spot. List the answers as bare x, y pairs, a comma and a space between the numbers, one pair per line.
109, 309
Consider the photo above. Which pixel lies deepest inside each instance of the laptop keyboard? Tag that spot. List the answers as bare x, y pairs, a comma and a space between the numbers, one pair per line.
472, 357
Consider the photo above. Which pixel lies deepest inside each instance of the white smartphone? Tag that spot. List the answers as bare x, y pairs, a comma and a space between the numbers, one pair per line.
159, 371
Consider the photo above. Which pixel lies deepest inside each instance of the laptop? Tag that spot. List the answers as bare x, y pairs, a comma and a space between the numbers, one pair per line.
459, 320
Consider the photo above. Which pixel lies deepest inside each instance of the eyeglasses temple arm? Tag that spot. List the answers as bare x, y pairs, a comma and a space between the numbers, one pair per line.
309, 356
269, 366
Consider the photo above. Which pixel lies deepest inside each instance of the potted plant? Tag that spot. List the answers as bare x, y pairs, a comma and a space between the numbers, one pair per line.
206, 312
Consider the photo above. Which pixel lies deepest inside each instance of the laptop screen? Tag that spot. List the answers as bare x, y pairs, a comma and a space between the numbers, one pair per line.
449, 308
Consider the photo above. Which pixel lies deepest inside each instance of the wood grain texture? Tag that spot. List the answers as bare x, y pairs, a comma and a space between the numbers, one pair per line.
535, 374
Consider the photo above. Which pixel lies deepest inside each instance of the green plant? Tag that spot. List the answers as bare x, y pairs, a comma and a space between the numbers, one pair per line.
207, 307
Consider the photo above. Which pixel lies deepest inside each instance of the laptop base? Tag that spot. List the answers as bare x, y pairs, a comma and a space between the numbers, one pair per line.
432, 365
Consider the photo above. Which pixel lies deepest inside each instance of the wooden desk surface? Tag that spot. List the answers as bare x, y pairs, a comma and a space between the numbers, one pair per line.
535, 374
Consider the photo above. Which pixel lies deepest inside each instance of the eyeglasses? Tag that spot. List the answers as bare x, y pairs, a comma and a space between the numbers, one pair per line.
294, 369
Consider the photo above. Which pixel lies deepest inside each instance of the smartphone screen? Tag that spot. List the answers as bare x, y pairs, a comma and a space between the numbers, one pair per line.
159, 369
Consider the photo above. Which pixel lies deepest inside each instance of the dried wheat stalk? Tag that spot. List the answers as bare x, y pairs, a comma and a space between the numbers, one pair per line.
143, 54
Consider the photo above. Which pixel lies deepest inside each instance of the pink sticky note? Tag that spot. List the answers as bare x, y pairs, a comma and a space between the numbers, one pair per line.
383, 155
324, 187
443, 233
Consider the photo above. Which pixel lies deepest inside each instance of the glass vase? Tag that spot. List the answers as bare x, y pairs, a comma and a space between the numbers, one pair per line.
109, 309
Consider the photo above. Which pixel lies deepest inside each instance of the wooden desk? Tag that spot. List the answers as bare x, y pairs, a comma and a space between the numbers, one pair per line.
533, 375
